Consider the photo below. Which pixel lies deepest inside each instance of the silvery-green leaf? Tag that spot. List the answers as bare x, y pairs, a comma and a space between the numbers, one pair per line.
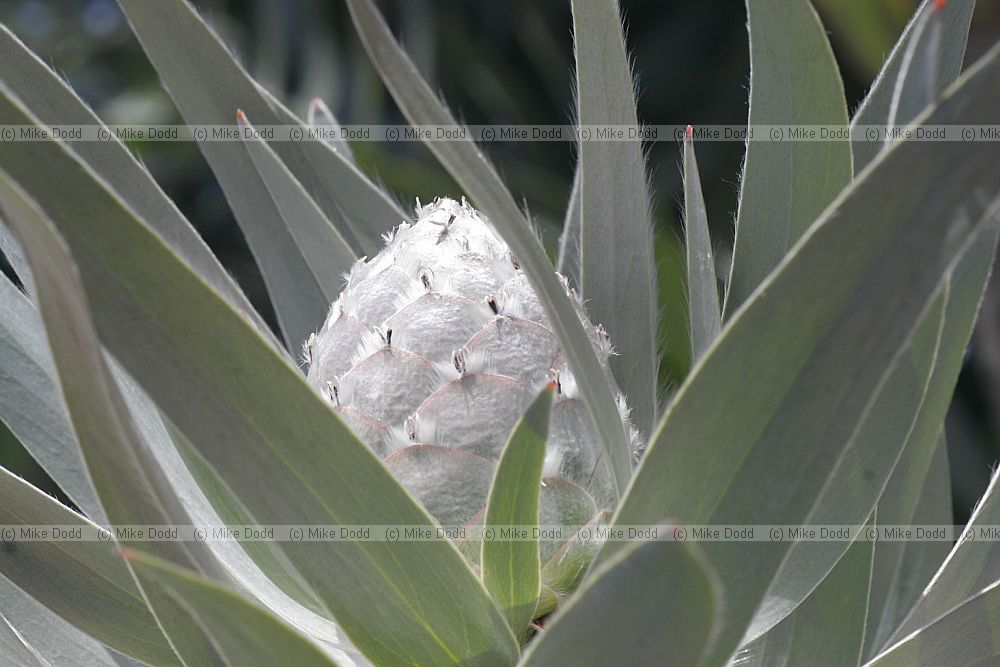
827, 629
472, 170
249, 412
86, 583
794, 80
31, 405
920, 79
15, 651
11, 250
568, 262
55, 103
796, 395
617, 277
964, 635
256, 566
973, 564
319, 116
919, 493
319, 244
854, 482
253, 564
705, 318
130, 485
874, 110
655, 602
57, 642
207, 84
243, 633
511, 568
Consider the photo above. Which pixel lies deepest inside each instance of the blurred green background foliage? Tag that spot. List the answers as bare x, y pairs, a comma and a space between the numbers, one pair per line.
506, 61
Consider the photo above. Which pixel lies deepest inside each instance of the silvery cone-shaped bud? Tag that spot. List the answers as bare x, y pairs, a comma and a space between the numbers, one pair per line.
431, 354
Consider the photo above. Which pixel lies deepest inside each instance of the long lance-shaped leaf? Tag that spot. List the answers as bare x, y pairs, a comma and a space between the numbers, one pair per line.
919, 493
828, 627
207, 84
132, 488
654, 603
244, 633
257, 568
568, 262
84, 582
325, 252
30, 403
472, 170
249, 412
963, 636
874, 110
511, 568
705, 318
617, 278
853, 485
55, 103
861, 476
53, 638
920, 81
786, 184
973, 563
796, 396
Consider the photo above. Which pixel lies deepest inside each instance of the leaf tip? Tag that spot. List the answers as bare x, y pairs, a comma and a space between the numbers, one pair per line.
939, 5
241, 117
689, 132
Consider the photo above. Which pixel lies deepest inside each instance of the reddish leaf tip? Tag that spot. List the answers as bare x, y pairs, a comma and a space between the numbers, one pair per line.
240, 116
127, 553
940, 4
689, 132
551, 385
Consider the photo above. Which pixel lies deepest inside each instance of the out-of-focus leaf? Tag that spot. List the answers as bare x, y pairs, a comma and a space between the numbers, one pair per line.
132, 488
827, 629
317, 243
973, 564
31, 405
319, 116
55, 103
902, 569
568, 262
249, 412
472, 170
855, 287
84, 582
617, 278
244, 633
794, 80
54, 639
511, 567
704, 316
874, 110
920, 79
654, 603
207, 84
962, 636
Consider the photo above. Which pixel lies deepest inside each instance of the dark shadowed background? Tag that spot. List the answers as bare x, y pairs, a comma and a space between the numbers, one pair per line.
505, 61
